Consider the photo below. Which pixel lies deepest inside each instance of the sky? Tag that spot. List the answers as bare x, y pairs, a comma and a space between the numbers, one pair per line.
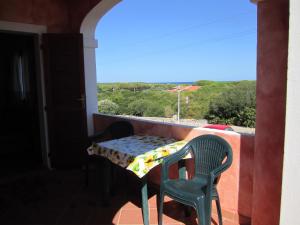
177, 41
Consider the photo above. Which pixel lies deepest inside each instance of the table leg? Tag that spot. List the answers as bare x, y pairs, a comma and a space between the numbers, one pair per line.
106, 173
145, 208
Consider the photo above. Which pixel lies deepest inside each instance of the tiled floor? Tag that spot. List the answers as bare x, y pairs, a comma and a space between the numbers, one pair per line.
60, 197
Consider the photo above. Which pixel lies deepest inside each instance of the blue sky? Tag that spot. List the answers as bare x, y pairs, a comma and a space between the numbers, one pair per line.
177, 41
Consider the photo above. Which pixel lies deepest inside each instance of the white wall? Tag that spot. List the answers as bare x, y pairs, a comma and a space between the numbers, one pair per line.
90, 80
290, 200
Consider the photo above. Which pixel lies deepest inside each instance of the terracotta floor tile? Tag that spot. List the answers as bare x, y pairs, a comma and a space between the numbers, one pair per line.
152, 202
131, 216
227, 215
168, 199
226, 222
130, 205
194, 221
176, 217
153, 219
166, 219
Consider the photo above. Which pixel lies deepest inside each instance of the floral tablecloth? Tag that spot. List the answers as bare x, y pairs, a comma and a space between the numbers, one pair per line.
138, 154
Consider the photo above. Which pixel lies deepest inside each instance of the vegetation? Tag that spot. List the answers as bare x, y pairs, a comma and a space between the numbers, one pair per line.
219, 102
108, 106
139, 99
235, 106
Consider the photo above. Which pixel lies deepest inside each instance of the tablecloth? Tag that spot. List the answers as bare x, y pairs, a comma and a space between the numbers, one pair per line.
136, 153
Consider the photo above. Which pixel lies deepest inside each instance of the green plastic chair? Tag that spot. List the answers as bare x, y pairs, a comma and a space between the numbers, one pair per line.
209, 153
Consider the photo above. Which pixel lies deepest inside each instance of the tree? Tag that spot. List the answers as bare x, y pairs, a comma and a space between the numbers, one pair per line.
138, 107
235, 106
168, 111
145, 108
108, 107
155, 109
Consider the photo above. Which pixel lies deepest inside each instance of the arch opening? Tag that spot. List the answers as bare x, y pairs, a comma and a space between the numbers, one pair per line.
90, 43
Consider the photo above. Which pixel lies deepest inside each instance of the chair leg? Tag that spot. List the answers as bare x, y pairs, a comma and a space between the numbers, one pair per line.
219, 211
160, 209
200, 209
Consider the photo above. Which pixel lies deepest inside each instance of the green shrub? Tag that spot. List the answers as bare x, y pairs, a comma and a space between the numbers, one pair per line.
154, 110
138, 107
169, 111
145, 108
108, 107
235, 106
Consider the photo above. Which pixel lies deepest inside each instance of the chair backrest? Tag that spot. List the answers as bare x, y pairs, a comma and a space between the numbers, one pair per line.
120, 129
209, 153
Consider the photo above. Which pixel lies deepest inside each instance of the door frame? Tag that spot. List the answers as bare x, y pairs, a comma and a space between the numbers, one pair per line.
35, 30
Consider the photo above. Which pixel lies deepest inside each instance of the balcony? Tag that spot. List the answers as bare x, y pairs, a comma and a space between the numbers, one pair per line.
45, 197
60, 197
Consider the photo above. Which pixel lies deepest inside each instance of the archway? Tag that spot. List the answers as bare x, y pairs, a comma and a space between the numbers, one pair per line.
88, 28
274, 70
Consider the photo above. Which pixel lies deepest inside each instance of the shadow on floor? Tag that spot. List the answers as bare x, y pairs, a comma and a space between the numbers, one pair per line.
61, 197
52, 197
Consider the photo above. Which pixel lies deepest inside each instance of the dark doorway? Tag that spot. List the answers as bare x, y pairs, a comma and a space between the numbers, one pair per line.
20, 139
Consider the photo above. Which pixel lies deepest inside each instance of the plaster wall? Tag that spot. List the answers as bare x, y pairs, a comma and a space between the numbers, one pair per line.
273, 26
60, 16
291, 174
51, 13
235, 187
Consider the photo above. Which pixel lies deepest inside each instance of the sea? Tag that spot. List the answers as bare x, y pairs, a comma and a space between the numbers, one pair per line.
176, 83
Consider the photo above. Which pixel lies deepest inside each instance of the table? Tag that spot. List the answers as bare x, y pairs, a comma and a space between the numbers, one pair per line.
138, 154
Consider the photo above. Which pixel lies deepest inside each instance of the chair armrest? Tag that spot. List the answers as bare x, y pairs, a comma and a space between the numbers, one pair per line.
171, 159
217, 171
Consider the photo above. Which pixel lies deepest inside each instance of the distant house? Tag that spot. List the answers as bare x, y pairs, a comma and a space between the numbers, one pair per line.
184, 88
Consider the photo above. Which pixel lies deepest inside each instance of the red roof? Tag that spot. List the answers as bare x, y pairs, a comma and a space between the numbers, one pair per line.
184, 88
